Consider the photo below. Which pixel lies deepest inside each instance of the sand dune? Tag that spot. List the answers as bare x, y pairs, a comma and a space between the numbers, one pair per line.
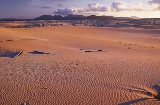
121, 69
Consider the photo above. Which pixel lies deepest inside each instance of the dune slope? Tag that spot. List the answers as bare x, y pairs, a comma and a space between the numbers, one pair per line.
79, 65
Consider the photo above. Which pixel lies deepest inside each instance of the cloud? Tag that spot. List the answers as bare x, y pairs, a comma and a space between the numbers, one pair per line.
49, 0
64, 11
118, 6
96, 7
44, 7
90, 8
59, 5
45, 2
154, 2
41, 4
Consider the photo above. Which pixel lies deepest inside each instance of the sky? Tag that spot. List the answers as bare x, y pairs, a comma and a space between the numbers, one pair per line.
119, 8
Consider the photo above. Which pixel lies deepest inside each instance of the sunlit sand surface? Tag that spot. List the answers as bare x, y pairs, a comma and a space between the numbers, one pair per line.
80, 65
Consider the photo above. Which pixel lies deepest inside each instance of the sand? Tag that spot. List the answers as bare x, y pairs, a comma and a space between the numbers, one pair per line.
121, 66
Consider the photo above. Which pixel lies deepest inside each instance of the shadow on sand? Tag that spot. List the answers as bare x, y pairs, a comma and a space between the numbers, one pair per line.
157, 88
25, 103
38, 52
95, 50
11, 54
134, 101
157, 97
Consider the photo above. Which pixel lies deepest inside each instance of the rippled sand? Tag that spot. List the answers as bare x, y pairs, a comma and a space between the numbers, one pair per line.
121, 66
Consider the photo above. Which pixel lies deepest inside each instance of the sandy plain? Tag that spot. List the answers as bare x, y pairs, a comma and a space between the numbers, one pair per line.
79, 65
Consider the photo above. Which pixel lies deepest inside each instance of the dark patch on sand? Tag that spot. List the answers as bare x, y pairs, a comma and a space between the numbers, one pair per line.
38, 52
11, 54
95, 50
25, 103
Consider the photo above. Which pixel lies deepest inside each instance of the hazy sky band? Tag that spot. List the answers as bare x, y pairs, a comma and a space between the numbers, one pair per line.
121, 8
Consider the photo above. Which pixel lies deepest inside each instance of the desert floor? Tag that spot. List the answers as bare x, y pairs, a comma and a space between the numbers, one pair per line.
79, 65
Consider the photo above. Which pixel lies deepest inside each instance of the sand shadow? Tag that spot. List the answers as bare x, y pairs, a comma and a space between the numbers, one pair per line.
25, 103
149, 93
133, 101
94, 50
157, 88
6, 40
38, 52
11, 54
9, 40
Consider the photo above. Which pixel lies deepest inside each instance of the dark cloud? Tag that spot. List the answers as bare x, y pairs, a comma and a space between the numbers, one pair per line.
60, 5
64, 11
44, 7
48, 0
157, 2
154, 2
